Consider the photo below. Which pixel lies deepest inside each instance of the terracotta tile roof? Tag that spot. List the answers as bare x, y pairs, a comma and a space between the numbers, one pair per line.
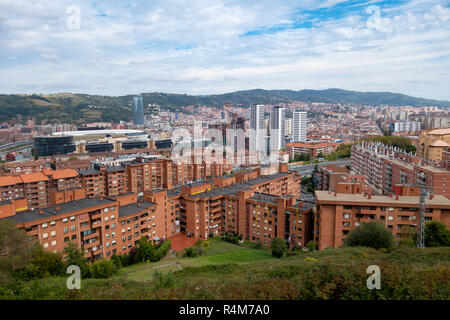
33, 177
64, 173
47, 171
9, 180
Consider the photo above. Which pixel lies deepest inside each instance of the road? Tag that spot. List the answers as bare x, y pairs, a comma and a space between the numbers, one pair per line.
306, 170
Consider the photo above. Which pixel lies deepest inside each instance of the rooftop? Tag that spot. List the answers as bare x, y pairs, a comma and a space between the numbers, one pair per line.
134, 208
73, 206
340, 198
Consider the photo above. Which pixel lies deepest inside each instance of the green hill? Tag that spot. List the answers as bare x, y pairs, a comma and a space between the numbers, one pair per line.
79, 108
228, 271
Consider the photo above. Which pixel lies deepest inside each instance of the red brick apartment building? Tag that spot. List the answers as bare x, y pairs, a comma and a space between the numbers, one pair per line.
313, 149
101, 226
385, 167
336, 178
338, 213
258, 207
446, 160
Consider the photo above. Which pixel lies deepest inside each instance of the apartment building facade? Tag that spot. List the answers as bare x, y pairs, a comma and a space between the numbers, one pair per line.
339, 213
313, 149
385, 167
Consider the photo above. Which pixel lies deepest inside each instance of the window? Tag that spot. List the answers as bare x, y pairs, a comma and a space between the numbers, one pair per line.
72, 218
74, 237
72, 228
45, 245
66, 230
54, 243
66, 239
45, 236
44, 225
64, 220
52, 223
106, 210
53, 233
106, 218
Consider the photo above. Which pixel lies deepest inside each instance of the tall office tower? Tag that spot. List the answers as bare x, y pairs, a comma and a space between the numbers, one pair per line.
277, 126
288, 127
300, 123
257, 131
138, 110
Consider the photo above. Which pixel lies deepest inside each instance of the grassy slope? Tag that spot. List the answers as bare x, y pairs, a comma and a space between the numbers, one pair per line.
241, 273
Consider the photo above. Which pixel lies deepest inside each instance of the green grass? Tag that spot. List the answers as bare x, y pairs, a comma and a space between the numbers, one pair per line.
220, 252
243, 273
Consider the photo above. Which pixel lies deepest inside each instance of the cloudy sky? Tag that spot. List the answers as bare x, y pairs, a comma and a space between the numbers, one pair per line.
119, 47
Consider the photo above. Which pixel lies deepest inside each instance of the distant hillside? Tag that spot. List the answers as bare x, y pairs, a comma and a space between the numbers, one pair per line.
67, 107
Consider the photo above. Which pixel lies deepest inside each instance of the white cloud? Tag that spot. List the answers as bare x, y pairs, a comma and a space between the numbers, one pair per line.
198, 47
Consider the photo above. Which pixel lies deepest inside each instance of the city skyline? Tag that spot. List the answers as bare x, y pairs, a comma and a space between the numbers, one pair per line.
112, 49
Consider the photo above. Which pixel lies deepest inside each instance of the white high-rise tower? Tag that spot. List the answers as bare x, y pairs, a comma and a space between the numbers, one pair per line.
257, 131
300, 124
277, 125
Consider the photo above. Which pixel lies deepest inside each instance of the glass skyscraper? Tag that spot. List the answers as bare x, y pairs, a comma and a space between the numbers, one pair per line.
138, 111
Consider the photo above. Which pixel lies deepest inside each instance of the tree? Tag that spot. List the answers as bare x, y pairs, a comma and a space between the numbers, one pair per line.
75, 256
279, 247
103, 269
145, 250
310, 245
371, 234
437, 234
44, 264
15, 248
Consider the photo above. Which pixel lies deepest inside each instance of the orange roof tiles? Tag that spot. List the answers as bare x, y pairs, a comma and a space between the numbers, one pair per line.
9, 180
64, 173
33, 177
47, 171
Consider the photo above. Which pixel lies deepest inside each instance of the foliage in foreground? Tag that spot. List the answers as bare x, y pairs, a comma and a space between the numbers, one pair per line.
406, 273
370, 234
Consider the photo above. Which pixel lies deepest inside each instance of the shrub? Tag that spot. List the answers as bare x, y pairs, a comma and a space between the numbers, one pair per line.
163, 280
43, 264
279, 247
371, 234
310, 245
162, 250
103, 269
75, 256
200, 250
436, 234
117, 260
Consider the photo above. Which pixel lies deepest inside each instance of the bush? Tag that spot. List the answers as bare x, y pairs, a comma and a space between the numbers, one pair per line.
75, 256
43, 264
279, 247
310, 245
162, 250
371, 234
103, 269
190, 252
436, 234
163, 280
117, 260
